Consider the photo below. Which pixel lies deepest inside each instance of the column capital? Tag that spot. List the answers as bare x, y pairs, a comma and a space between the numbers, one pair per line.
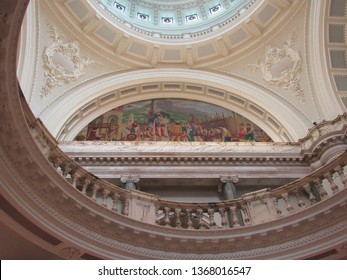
229, 179
227, 185
129, 179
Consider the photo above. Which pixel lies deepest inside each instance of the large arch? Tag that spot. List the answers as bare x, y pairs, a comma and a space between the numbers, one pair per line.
78, 126
59, 113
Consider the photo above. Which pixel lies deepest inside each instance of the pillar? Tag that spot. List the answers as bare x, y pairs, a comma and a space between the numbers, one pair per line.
227, 186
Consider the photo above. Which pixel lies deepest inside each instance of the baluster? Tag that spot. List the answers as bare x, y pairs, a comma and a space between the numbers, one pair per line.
321, 190
105, 194
126, 206
278, 210
343, 177
245, 214
223, 217
301, 203
167, 218
74, 177
285, 196
211, 217
85, 186
95, 189
178, 217
115, 198
157, 214
189, 216
199, 213
66, 170
236, 222
330, 179
56, 162
311, 197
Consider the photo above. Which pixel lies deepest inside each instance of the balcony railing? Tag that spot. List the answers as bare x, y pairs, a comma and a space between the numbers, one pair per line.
250, 209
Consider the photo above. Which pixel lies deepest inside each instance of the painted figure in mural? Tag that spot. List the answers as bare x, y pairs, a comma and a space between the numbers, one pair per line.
176, 132
164, 132
134, 127
196, 129
249, 132
125, 133
160, 127
242, 132
111, 132
139, 133
226, 135
93, 134
184, 136
149, 135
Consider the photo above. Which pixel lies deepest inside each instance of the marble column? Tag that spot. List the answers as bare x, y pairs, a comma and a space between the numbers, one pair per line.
227, 187
130, 182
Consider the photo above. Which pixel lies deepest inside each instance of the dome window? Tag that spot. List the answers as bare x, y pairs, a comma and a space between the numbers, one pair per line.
167, 20
215, 9
119, 6
143, 17
192, 17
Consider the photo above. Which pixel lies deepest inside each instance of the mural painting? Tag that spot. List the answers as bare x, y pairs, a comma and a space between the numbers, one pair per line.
172, 120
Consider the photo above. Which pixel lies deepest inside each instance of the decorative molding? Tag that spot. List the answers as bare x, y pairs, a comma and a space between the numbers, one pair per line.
56, 74
70, 253
289, 78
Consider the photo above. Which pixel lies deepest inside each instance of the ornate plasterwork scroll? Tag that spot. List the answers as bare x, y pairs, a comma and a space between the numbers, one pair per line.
288, 78
56, 74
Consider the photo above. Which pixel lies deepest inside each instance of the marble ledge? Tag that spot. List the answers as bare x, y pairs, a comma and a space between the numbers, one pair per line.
90, 147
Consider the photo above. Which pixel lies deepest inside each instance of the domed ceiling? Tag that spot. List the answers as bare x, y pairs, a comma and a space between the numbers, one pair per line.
265, 60
182, 19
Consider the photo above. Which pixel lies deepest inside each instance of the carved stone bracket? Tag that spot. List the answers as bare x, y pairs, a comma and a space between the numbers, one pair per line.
288, 63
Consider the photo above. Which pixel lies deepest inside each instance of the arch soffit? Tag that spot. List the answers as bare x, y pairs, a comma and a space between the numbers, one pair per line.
318, 61
257, 104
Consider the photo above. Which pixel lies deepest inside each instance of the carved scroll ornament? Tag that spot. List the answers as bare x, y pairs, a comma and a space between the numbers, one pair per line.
56, 74
288, 78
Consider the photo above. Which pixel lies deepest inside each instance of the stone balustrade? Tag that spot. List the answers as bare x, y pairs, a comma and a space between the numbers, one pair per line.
250, 209
260, 206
